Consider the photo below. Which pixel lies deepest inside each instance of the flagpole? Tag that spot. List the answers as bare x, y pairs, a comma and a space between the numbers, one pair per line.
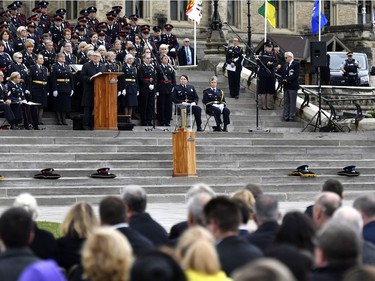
195, 43
265, 20
320, 19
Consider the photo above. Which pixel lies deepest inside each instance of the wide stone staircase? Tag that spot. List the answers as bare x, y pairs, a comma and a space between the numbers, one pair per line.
226, 160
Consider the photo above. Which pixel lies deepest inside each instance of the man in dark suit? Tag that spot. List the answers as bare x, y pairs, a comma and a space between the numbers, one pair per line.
90, 69
112, 212
223, 219
16, 232
290, 76
266, 216
135, 199
186, 54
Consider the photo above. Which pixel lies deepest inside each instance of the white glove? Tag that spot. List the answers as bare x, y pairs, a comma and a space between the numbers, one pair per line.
173, 50
137, 93
157, 94
193, 103
124, 92
47, 94
54, 93
71, 93
151, 87
119, 93
27, 92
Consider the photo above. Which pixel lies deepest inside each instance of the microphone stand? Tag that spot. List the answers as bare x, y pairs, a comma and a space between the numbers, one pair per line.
254, 73
158, 66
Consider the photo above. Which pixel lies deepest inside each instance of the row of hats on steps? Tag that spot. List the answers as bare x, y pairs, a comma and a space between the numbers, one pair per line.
303, 171
49, 173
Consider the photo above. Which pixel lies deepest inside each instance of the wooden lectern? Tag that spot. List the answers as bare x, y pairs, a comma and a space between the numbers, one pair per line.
105, 101
184, 154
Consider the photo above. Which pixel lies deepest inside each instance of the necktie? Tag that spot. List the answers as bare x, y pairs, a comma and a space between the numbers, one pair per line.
188, 60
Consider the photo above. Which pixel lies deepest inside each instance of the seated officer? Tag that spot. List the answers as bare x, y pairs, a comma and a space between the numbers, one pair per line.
187, 95
5, 105
214, 100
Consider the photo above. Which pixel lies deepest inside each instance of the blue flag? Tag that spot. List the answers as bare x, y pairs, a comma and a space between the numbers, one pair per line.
315, 18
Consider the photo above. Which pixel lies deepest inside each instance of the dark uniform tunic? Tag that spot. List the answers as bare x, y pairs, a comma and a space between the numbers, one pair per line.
49, 59
266, 73
62, 82
166, 82
38, 84
212, 97
129, 83
28, 58
56, 32
23, 71
5, 61
8, 114
18, 44
188, 94
234, 55
146, 77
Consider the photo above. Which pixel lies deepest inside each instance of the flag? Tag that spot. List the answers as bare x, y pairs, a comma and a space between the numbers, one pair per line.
194, 10
315, 19
271, 12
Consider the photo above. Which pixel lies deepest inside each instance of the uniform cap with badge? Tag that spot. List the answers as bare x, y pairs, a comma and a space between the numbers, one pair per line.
60, 11
133, 17
168, 26
12, 6
47, 173
349, 171
302, 171
43, 4
145, 29
92, 9
103, 173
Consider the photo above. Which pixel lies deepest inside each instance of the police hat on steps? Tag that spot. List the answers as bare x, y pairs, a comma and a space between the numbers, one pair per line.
103, 173
1, 177
302, 171
349, 171
47, 173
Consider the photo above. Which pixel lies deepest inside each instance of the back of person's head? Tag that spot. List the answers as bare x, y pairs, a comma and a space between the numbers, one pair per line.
266, 208
79, 221
28, 202
156, 266
296, 229
195, 208
298, 262
365, 204
107, 255
327, 203
339, 242
112, 210
244, 209
16, 228
224, 212
334, 186
247, 197
46, 270
199, 188
135, 198
254, 189
189, 236
350, 215
264, 269
360, 273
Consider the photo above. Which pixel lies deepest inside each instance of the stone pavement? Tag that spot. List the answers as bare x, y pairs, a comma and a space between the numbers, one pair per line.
167, 214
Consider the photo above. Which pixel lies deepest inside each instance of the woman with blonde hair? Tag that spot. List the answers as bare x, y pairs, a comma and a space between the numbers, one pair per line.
197, 256
247, 197
107, 256
76, 227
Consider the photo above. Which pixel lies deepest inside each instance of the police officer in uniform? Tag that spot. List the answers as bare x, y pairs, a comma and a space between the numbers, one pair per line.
233, 60
128, 88
185, 94
350, 70
167, 80
62, 88
49, 55
5, 105
147, 79
214, 100
171, 40
111, 28
44, 19
15, 21
134, 28
92, 21
56, 29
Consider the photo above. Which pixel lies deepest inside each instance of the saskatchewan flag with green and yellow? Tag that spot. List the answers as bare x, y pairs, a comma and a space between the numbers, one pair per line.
269, 6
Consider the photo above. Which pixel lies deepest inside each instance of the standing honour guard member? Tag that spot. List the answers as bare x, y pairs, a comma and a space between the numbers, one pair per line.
266, 73
128, 88
214, 100
171, 40
38, 85
147, 80
234, 67
62, 87
92, 21
166, 82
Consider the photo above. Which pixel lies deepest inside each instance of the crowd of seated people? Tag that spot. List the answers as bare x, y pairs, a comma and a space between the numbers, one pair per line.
43, 45
125, 243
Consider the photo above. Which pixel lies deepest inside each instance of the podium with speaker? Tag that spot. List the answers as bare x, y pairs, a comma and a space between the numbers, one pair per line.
105, 101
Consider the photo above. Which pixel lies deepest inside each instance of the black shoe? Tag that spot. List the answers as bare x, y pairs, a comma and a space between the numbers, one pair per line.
236, 97
286, 119
217, 129
64, 122
58, 122
41, 123
167, 124
225, 129
232, 97
14, 127
291, 119
36, 127
199, 129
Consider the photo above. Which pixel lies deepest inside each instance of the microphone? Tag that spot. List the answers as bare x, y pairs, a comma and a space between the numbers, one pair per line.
225, 22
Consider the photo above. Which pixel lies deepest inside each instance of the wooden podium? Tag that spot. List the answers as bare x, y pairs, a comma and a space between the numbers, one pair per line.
105, 101
184, 154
